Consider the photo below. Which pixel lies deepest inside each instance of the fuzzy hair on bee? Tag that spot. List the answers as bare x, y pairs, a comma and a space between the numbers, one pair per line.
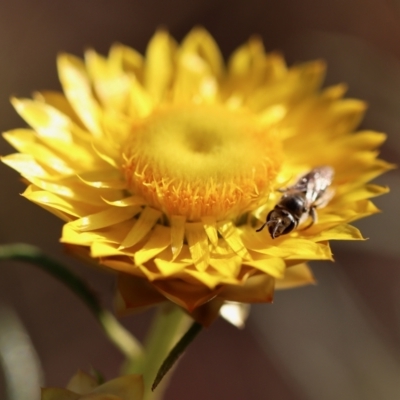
300, 201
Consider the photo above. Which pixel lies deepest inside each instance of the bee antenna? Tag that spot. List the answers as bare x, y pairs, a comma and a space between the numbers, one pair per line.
262, 227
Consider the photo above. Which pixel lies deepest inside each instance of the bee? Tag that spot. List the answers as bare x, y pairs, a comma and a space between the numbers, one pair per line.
300, 201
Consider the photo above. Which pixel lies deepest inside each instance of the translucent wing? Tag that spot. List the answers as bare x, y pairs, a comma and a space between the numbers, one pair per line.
316, 182
313, 184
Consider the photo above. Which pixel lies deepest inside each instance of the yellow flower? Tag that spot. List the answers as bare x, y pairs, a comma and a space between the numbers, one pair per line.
84, 387
164, 166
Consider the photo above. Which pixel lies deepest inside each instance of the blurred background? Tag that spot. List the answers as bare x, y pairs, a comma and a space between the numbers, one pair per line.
337, 340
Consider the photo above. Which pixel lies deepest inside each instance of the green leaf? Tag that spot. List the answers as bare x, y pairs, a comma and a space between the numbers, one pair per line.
125, 342
176, 352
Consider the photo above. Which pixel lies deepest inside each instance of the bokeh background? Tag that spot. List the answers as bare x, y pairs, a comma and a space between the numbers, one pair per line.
337, 340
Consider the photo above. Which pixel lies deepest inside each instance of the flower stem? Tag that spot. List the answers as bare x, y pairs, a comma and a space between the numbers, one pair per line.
121, 338
168, 326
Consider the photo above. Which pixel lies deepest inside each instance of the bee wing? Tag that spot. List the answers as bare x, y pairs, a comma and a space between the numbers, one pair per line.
325, 198
317, 181
313, 184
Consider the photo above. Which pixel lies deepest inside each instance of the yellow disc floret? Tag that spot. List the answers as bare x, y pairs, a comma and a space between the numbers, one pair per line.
198, 161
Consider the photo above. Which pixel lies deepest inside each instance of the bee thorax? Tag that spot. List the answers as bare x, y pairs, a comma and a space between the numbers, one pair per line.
294, 204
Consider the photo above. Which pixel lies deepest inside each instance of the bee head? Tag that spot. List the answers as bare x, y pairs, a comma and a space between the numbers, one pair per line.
280, 222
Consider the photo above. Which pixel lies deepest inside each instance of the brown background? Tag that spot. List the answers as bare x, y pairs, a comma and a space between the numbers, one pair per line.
338, 340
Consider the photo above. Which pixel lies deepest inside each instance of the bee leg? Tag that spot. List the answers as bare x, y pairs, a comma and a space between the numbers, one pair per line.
313, 215
314, 218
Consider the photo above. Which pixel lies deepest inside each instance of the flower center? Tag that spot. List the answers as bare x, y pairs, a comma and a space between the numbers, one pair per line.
199, 161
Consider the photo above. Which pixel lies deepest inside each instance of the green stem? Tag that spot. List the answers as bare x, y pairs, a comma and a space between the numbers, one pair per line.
168, 326
121, 337
123, 340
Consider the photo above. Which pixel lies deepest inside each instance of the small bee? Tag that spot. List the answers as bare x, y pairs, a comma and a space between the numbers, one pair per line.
300, 201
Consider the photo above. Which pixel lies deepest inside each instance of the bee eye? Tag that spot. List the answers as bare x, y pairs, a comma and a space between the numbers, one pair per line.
291, 225
271, 215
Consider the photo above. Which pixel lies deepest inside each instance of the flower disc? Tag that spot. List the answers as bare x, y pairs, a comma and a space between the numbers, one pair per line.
201, 161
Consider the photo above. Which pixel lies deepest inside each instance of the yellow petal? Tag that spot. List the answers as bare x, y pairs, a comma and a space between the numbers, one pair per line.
104, 218
198, 245
140, 101
168, 267
150, 271
143, 225
126, 59
209, 278
194, 81
159, 66
246, 58
82, 383
58, 101
200, 42
364, 140
270, 265
72, 189
71, 236
121, 265
198, 69
210, 226
26, 165
100, 249
177, 233
127, 387
301, 249
286, 247
77, 88
357, 210
110, 84
54, 203
58, 132
186, 295
361, 193
227, 266
135, 293
334, 92
58, 394
46, 120
207, 313
295, 276
301, 81
171, 268
232, 237
159, 240
257, 289
347, 115
25, 141
104, 154
340, 232
103, 179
